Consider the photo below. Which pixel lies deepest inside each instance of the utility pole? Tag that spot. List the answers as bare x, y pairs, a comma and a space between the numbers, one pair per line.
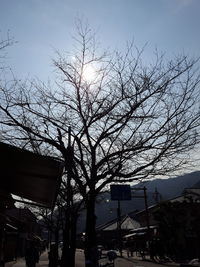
156, 196
147, 214
119, 227
144, 189
120, 192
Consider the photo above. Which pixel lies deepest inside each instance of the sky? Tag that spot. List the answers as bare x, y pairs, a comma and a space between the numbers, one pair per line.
42, 26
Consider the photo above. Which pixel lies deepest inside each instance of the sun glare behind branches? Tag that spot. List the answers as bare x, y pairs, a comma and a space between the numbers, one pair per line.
89, 73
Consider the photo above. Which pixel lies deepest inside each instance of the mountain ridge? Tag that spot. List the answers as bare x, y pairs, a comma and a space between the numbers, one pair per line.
106, 209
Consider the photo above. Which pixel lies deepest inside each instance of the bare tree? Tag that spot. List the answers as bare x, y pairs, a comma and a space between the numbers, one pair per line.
4, 43
128, 121
61, 222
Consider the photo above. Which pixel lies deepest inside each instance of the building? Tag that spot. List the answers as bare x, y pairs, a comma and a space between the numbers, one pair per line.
172, 225
108, 234
27, 175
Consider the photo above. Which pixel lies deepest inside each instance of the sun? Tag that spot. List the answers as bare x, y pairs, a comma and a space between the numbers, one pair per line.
89, 73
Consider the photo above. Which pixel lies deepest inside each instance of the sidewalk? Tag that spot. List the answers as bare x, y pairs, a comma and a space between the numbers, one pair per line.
21, 261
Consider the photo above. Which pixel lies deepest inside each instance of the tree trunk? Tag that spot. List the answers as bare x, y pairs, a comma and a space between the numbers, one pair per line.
69, 240
91, 253
73, 239
66, 253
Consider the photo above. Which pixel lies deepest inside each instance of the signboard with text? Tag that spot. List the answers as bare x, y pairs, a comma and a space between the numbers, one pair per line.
120, 192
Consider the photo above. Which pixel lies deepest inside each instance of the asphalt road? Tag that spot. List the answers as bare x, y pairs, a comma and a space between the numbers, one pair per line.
123, 262
80, 261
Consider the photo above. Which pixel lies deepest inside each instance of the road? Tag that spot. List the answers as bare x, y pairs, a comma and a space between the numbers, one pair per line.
80, 262
21, 262
123, 262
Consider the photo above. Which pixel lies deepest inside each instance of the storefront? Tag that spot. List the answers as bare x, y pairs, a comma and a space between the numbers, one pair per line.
26, 175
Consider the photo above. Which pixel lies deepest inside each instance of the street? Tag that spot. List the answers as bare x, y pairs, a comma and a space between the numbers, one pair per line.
119, 262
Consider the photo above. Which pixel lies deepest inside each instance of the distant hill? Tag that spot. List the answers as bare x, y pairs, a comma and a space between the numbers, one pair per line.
106, 209
173, 187
197, 185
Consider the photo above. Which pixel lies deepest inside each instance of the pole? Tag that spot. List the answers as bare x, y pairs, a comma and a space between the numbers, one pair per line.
119, 227
146, 210
147, 215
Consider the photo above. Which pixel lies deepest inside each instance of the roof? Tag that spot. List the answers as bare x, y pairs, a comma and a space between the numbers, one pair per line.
21, 214
139, 231
136, 214
127, 223
189, 194
134, 234
29, 175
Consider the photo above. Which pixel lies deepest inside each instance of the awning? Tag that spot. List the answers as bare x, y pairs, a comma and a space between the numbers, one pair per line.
29, 175
38, 238
134, 234
11, 227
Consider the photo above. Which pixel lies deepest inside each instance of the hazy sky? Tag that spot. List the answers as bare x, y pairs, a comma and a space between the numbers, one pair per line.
39, 26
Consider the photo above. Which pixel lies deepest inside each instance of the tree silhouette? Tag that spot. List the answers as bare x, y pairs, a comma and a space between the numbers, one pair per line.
179, 230
128, 121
